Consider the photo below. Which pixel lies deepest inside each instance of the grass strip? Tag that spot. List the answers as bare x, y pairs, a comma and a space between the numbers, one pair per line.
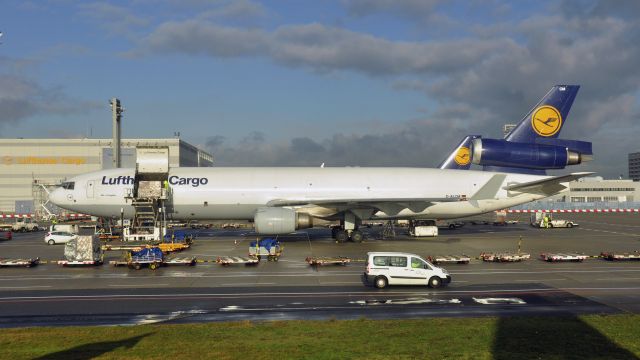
582, 337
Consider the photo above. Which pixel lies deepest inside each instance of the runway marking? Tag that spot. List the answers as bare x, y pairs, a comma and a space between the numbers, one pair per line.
136, 285
617, 279
301, 294
25, 287
540, 280
610, 232
499, 301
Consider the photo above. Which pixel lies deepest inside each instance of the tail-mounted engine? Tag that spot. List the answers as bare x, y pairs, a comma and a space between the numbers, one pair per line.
554, 154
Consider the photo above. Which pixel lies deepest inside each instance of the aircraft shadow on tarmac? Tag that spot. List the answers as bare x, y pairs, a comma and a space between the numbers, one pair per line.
90, 351
563, 337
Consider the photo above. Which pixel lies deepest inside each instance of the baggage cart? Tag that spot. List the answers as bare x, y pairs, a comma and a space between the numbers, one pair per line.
149, 257
320, 261
267, 247
79, 262
229, 260
612, 256
504, 257
564, 257
19, 262
449, 259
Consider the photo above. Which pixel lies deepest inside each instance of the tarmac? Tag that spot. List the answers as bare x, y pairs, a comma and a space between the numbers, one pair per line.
49, 294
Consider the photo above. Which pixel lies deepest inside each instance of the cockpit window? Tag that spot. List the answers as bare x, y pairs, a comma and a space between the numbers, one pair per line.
69, 185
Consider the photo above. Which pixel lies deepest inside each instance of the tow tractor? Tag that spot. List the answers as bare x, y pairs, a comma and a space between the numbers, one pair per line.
537, 220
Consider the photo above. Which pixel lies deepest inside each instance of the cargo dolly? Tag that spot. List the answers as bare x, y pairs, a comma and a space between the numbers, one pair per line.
320, 261
229, 260
181, 260
564, 257
267, 247
19, 262
449, 259
621, 256
504, 257
70, 263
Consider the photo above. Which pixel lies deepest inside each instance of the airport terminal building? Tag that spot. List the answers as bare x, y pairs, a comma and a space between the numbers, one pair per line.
28, 166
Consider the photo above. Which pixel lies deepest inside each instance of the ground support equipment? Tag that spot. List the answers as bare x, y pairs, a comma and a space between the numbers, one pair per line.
68, 263
267, 247
19, 262
187, 261
620, 256
504, 257
315, 261
565, 257
449, 259
229, 260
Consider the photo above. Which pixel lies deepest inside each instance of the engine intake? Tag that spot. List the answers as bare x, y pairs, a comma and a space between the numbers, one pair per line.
493, 152
277, 221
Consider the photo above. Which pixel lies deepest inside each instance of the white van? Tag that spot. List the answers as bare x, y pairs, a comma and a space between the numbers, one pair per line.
70, 228
394, 268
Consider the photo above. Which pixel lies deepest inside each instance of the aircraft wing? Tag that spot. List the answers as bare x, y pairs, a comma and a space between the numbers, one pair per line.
548, 186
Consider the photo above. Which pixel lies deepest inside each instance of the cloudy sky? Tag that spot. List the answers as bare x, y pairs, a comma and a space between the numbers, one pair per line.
344, 82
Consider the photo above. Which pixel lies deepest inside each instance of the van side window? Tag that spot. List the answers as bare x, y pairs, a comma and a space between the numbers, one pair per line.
418, 264
381, 260
399, 261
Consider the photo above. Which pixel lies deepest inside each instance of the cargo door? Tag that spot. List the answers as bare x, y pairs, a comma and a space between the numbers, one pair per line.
90, 189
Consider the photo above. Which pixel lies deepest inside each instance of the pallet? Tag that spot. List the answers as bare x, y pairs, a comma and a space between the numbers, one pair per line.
504, 257
319, 261
19, 262
563, 257
79, 263
229, 260
449, 259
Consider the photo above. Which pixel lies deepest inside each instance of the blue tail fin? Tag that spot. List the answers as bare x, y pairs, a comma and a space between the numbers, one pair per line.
460, 158
546, 119
542, 124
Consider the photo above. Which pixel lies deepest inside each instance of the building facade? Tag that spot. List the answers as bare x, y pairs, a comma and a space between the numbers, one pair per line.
29, 166
634, 166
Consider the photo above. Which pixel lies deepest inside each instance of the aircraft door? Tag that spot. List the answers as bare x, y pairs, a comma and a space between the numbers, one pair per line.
90, 189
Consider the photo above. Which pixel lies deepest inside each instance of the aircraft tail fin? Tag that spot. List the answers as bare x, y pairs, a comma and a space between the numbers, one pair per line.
460, 157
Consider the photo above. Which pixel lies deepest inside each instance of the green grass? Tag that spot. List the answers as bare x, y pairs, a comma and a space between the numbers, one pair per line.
584, 337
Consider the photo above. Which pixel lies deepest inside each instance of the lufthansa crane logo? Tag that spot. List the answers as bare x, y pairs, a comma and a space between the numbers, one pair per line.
546, 121
463, 156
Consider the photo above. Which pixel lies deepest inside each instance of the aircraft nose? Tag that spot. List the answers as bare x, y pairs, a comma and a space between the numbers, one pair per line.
57, 196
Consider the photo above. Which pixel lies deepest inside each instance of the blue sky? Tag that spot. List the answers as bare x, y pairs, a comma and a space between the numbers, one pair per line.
345, 82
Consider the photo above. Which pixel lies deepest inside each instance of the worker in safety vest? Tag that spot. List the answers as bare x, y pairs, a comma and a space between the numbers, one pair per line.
546, 221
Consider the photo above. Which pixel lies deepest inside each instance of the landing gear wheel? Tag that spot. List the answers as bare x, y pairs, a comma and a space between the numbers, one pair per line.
357, 236
435, 282
380, 282
341, 236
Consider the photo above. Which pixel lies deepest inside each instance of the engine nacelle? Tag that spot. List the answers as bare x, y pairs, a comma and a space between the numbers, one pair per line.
493, 152
276, 221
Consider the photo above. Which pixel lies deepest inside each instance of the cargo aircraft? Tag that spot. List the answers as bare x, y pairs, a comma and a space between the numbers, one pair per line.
281, 200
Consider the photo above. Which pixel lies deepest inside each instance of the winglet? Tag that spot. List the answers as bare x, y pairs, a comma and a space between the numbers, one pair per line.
490, 189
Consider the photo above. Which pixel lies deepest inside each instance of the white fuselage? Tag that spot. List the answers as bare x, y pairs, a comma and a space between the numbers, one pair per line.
236, 193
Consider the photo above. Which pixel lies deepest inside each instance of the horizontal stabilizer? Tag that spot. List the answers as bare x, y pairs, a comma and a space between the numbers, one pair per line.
547, 186
490, 189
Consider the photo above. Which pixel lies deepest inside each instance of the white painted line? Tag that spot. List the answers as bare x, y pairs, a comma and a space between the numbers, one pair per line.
540, 280
617, 279
137, 285
25, 287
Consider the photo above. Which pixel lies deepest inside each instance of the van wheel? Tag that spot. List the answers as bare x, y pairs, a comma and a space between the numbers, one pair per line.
381, 282
51, 242
435, 282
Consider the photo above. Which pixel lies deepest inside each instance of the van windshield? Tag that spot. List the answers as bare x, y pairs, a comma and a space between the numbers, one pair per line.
68, 185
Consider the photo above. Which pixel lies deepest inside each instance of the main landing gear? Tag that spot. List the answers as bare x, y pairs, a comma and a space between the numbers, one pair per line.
342, 235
